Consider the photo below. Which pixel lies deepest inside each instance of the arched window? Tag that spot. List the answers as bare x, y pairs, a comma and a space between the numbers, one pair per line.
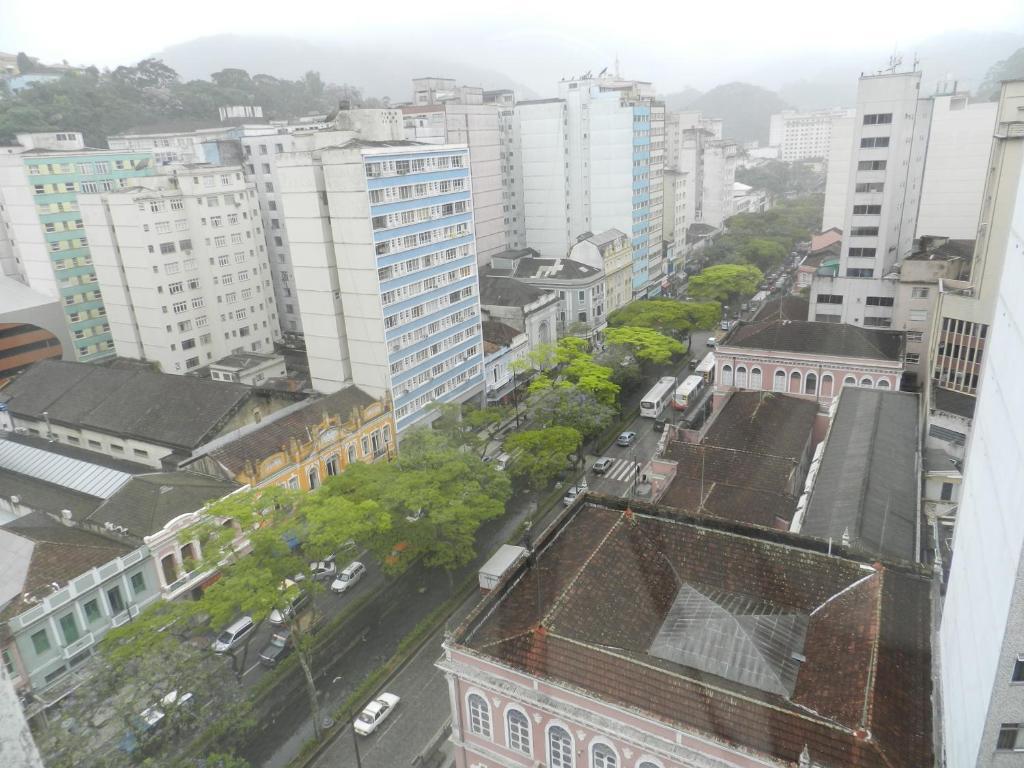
794, 382
602, 756
544, 333
882, 384
826, 385
780, 380
479, 716
741, 377
755, 378
867, 382
351, 454
849, 381
518, 731
314, 479
559, 748
810, 384
727, 375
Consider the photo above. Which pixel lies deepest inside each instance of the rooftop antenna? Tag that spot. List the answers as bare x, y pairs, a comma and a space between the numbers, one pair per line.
894, 62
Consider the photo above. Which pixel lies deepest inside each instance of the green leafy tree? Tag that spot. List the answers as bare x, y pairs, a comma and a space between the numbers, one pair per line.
594, 378
540, 454
564, 404
646, 343
763, 254
724, 282
626, 371
667, 316
436, 495
468, 425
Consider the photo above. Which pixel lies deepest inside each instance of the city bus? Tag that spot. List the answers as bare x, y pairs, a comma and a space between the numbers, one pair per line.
706, 368
654, 402
687, 392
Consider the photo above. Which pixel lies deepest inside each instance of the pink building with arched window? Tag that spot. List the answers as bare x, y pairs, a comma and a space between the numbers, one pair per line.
808, 359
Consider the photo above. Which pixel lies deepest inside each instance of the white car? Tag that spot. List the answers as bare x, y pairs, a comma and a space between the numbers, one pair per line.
347, 579
375, 713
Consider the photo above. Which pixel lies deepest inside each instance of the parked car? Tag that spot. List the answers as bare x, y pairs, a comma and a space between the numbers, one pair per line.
375, 713
571, 494
294, 605
323, 569
501, 463
234, 635
626, 439
712, 342
347, 579
277, 649
602, 465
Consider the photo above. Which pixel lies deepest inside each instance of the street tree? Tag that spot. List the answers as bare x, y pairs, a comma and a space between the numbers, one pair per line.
646, 343
540, 454
724, 282
435, 494
564, 404
594, 378
668, 316
468, 425
766, 255
626, 371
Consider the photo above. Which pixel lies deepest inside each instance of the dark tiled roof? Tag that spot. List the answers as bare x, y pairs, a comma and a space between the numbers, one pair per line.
499, 334
805, 337
499, 291
47, 497
953, 402
260, 443
783, 308
585, 613
146, 503
176, 411
59, 554
866, 486
766, 422
815, 258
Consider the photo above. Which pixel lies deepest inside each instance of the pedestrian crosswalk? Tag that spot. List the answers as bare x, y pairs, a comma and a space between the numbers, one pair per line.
622, 470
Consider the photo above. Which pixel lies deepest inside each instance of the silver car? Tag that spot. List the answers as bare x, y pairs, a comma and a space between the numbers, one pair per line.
347, 579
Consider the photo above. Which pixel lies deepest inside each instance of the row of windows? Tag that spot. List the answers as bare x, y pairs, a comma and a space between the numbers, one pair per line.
859, 272
874, 141
407, 242
437, 392
414, 165
412, 337
417, 215
424, 354
883, 118
413, 191
561, 751
794, 383
871, 165
870, 186
77, 261
431, 306
423, 377
423, 286
422, 262
862, 253
867, 210
863, 231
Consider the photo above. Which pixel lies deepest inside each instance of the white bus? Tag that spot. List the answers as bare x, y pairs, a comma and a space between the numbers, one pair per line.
687, 392
654, 402
706, 368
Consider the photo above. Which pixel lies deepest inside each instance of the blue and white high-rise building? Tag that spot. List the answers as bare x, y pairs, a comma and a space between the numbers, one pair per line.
597, 152
384, 253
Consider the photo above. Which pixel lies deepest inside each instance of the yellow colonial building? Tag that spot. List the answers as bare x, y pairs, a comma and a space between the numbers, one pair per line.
305, 443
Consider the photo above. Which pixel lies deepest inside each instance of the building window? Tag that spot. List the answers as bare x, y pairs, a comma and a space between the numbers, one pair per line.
115, 599
874, 141
479, 716
879, 301
878, 119
755, 378
779, 385
138, 583
856, 272
867, 210
92, 611
794, 382
918, 315
741, 377
8, 664
866, 382
946, 494
829, 298
332, 466
913, 358
727, 375
69, 627
862, 253
871, 165
810, 384
41, 642
314, 479
518, 731
864, 231
878, 322
560, 751
602, 756
1011, 736
351, 454
919, 293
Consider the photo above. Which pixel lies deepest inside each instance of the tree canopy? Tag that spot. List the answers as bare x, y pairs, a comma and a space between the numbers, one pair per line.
552, 404
540, 454
667, 316
646, 343
103, 104
780, 178
723, 282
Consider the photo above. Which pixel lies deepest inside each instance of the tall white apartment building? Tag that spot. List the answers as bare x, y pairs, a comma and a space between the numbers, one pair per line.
803, 135
837, 174
458, 115
182, 264
590, 160
955, 167
511, 171
981, 636
385, 262
882, 194
695, 147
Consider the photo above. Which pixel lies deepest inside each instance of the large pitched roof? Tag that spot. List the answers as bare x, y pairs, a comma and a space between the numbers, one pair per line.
866, 486
146, 503
257, 444
505, 291
56, 555
806, 337
586, 610
176, 411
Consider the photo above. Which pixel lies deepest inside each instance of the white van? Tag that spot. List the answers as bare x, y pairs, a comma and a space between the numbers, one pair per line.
501, 463
233, 636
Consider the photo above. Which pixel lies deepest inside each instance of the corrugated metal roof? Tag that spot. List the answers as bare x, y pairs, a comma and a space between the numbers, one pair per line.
78, 475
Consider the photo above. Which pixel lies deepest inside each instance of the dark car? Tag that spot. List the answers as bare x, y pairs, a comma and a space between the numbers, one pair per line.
277, 649
659, 424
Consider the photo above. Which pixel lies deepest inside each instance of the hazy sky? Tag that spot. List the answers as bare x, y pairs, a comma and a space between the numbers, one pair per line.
705, 34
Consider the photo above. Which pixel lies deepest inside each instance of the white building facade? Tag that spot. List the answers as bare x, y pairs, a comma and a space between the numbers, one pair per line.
881, 198
803, 135
183, 265
384, 252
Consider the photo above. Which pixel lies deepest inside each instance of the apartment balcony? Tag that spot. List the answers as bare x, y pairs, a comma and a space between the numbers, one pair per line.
75, 648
